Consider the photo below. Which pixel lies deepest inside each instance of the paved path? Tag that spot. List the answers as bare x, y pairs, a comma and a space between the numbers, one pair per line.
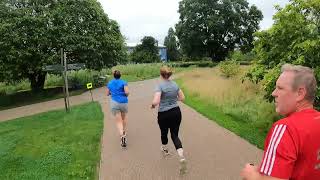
212, 152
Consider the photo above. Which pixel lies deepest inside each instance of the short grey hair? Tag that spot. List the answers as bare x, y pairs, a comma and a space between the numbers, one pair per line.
303, 76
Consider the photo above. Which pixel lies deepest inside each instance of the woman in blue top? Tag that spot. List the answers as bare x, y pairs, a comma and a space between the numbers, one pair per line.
169, 115
119, 91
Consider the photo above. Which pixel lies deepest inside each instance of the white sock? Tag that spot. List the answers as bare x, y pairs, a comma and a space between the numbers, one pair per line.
180, 153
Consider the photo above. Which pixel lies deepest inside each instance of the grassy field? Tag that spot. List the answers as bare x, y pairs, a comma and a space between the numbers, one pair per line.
237, 106
52, 145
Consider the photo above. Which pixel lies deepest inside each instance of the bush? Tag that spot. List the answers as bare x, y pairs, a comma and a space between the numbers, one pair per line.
240, 57
229, 68
144, 57
11, 88
53, 80
255, 73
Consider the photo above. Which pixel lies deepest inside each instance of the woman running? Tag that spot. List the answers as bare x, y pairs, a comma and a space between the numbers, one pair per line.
169, 115
119, 91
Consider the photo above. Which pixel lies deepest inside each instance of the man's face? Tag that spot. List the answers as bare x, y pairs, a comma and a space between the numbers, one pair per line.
285, 97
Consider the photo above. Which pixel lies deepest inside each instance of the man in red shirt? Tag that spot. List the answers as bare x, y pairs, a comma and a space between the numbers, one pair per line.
292, 147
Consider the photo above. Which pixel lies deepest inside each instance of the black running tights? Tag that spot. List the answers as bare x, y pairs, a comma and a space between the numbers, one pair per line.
170, 119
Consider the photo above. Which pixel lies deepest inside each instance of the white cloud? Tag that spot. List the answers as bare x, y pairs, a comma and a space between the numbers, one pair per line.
141, 18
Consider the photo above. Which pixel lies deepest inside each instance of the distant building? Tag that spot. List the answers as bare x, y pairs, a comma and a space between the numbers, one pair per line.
162, 50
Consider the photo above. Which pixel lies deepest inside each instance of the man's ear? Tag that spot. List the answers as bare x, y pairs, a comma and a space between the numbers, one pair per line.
302, 92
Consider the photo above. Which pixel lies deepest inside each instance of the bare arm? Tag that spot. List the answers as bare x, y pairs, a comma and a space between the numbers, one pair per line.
156, 99
126, 90
250, 172
181, 95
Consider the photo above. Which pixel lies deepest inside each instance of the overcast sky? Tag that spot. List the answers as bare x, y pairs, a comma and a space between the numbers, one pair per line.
139, 18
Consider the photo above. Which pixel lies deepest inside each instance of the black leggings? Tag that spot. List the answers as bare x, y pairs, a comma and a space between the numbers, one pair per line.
170, 119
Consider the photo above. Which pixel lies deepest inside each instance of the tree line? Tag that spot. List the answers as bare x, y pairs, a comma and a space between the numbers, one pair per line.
33, 31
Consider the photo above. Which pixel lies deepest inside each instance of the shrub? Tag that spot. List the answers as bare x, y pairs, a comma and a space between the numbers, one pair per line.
53, 80
229, 68
240, 57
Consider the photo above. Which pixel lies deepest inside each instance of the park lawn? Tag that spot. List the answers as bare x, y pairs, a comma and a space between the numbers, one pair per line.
52, 145
236, 106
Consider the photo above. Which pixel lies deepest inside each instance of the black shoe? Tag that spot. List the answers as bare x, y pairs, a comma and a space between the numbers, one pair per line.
123, 141
165, 151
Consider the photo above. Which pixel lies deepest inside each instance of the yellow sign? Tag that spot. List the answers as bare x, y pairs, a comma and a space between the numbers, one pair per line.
89, 85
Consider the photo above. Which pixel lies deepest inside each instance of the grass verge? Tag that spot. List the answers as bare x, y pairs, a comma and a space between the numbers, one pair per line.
52, 145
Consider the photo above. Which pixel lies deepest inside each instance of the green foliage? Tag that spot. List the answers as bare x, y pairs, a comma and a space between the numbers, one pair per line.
53, 80
214, 28
32, 33
242, 57
172, 47
11, 88
146, 52
204, 63
27, 97
255, 73
229, 68
131, 72
269, 82
294, 38
52, 145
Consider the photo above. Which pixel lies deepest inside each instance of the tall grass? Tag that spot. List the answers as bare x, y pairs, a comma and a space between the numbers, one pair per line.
133, 72
240, 102
11, 88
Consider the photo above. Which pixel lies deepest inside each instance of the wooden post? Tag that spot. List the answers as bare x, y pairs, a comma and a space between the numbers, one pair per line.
66, 78
64, 84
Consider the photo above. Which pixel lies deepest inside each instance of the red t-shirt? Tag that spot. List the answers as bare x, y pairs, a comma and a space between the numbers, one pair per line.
292, 147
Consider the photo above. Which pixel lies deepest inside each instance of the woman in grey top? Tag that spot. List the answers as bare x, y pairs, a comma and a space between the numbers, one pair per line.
169, 115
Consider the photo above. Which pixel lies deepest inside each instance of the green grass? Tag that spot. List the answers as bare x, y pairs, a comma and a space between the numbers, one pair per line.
138, 72
255, 133
23, 98
52, 145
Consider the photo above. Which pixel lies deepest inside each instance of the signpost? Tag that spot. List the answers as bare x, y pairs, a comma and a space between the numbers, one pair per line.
89, 86
63, 68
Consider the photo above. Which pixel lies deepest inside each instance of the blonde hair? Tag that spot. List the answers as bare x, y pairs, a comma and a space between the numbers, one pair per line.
303, 76
165, 72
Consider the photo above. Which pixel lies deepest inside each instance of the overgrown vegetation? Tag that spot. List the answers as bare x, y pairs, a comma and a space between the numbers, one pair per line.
239, 107
52, 145
294, 38
229, 68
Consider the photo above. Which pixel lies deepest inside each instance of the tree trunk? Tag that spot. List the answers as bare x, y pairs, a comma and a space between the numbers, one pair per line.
37, 80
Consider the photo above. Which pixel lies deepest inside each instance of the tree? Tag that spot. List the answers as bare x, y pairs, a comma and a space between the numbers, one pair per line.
171, 43
32, 33
294, 38
147, 51
215, 27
